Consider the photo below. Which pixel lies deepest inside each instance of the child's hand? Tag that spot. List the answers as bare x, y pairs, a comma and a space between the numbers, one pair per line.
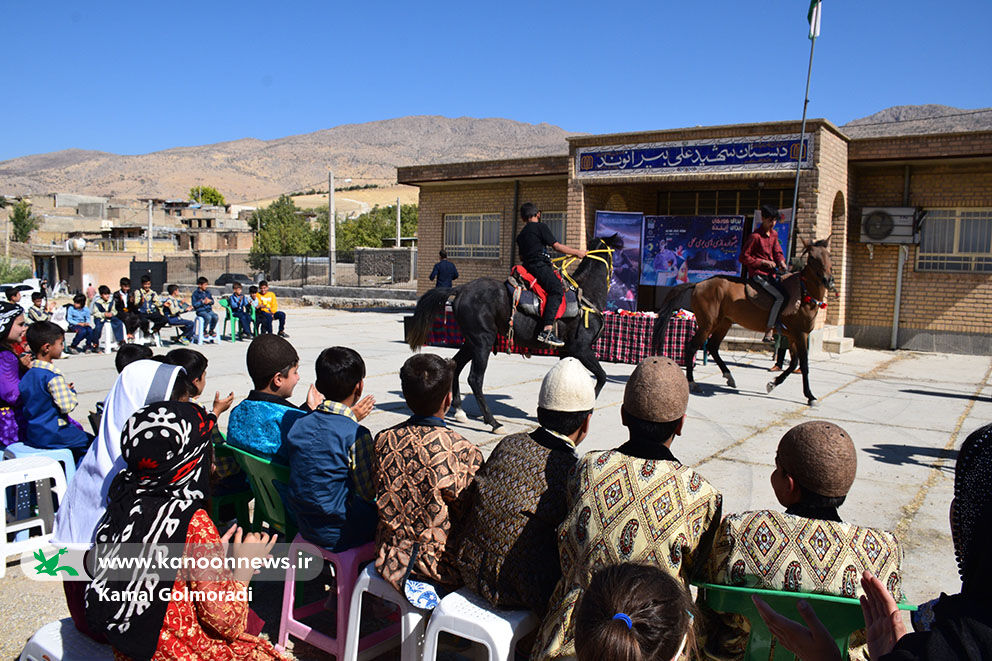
314, 398
26, 359
221, 405
364, 407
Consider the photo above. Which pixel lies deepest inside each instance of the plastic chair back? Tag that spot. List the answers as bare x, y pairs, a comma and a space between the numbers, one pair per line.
266, 479
840, 615
229, 319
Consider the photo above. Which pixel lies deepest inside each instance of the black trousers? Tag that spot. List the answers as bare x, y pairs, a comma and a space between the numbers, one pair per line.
546, 277
778, 298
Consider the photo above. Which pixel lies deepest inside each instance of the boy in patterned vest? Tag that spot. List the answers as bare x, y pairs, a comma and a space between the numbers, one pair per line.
813, 551
422, 474
509, 554
637, 503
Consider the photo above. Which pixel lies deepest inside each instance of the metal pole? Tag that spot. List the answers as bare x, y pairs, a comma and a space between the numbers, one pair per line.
149, 230
799, 160
6, 237
331, 230
894, 338
397, 222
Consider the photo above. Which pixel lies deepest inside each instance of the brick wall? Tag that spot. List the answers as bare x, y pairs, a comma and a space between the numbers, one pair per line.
939, 311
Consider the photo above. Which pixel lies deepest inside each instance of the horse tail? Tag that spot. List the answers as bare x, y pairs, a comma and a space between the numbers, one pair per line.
430, 305
679, 297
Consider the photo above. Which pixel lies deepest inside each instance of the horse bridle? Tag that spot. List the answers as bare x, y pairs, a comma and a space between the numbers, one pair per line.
567, 260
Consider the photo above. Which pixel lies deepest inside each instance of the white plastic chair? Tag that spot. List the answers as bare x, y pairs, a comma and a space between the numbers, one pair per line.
62, 641
20, 471
467, 615
411, 623
107, 338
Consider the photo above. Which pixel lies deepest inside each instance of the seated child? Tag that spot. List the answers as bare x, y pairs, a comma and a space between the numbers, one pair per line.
129, 353
147, 304
241, 310
635, 613
126, 308
422, 472
172, 306
48, 398
80, 321
104, 312
268, 309
261, 422
38, 310
253, 299
814, 551
509, 551
637, 503
331, 495
203, 304
13, 296
12, 329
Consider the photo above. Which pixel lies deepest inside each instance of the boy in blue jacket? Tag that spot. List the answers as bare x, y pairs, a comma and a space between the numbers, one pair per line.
80, 321
331, 493
203, 304
241, 309
48, 398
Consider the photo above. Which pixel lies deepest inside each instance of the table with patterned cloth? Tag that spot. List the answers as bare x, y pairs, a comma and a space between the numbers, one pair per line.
626, 337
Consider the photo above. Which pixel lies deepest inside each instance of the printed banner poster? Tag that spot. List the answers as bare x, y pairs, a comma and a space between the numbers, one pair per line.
680, 249
626, 263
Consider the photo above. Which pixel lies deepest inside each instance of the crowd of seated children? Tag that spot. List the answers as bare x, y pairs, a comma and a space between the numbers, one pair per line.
261, 422
423, 471
241, 309
80, 320
607, 524
167, 504
47, 397
268, 309
509, 550
331, 494
12, 367
173, 305
105, 312
203, 304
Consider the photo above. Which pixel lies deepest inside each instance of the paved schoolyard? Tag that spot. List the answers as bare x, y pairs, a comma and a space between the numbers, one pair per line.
907, 412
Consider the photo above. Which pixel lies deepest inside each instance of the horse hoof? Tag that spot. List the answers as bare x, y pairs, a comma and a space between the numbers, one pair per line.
812, 401
770, 387
695, 387
498, 429
460, 416
731, 383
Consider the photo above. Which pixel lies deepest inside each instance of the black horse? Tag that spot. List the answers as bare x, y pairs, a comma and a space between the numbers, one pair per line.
482, 309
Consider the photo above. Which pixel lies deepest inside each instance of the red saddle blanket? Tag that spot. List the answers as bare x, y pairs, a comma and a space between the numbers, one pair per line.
531, 283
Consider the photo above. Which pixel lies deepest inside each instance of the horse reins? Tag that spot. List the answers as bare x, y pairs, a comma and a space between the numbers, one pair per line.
567, 260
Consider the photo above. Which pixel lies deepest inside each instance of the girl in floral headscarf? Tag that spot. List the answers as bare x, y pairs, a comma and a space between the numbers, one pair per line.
12, 329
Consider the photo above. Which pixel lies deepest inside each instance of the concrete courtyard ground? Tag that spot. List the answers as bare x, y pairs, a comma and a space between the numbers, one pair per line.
908, 413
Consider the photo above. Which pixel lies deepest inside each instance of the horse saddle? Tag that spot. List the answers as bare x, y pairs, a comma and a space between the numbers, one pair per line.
530, 297
790, 286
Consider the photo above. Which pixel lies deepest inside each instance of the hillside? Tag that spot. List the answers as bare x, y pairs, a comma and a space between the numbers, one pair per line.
250, 169
915, 120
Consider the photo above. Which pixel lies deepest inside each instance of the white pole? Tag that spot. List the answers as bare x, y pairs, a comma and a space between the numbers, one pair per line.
331, 230
799, 161
149, 230
397, 222
6, 237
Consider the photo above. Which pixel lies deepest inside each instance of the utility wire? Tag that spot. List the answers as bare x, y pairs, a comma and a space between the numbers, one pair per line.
919, 119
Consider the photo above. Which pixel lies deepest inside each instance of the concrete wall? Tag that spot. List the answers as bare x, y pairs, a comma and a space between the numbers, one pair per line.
399, 263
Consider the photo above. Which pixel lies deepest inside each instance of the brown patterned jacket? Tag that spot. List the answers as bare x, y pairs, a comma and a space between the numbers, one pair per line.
422, 474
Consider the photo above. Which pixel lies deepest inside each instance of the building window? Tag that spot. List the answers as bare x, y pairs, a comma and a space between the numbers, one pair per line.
555, 220
472, 235
957, 240
721, 202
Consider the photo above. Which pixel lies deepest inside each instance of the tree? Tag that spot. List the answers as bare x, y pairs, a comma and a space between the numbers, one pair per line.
280, 229
206, 195
23, 221
368, 230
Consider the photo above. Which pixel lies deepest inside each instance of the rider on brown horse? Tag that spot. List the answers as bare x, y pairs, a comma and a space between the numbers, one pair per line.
762, 257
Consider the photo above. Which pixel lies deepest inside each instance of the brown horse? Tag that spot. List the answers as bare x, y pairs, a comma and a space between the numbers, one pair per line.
720, 301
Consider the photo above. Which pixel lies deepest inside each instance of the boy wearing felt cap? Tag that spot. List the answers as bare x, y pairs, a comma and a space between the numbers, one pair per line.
509, 554
636, 503
813, 551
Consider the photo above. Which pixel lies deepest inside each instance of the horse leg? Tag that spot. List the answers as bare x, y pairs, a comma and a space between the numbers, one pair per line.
803, 351
461, 359
777, 381
713, 344
476, 375
588, 359
691, 347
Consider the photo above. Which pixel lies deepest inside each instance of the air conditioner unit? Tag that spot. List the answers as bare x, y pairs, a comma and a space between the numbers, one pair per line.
890, 225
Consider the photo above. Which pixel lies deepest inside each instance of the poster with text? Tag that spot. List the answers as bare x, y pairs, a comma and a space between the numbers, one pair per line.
626, 263
680, 249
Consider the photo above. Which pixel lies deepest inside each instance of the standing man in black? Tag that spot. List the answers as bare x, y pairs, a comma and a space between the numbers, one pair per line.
444, 271
533, 241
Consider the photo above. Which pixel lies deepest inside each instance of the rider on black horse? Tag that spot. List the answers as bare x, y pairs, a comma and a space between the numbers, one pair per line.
762, 257
533, 241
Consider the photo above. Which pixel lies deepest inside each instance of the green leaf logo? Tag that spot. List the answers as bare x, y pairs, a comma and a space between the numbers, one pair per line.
51, 565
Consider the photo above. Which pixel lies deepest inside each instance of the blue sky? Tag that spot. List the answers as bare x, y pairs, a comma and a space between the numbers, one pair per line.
134, 77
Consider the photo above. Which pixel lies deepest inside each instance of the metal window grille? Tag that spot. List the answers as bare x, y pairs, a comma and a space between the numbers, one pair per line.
956, 240
472, 235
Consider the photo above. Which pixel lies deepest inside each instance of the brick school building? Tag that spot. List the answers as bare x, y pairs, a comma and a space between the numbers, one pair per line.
857, 191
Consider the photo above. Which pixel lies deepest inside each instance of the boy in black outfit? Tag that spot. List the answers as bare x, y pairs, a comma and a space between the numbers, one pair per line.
533, 241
